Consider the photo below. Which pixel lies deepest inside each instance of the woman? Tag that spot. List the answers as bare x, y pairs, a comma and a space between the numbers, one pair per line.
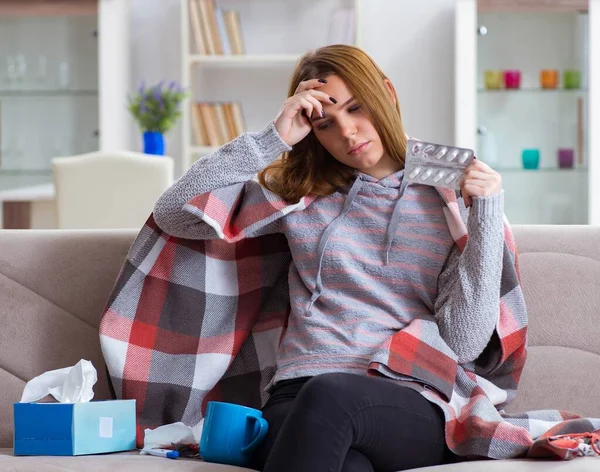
369, 255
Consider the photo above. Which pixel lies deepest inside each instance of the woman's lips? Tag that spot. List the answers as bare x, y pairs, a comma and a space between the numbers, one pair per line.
361, 148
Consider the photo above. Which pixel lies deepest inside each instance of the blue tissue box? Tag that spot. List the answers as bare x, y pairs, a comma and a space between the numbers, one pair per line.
73, 429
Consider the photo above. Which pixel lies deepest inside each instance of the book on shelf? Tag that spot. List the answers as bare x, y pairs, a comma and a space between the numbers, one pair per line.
195, 18
233, 28
225, 42
215, 31
203, 25
216, 123
342, 26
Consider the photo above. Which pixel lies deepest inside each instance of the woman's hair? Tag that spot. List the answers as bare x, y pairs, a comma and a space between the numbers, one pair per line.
309, 168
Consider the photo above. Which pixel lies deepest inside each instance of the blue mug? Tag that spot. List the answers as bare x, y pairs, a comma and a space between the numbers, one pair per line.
231, 433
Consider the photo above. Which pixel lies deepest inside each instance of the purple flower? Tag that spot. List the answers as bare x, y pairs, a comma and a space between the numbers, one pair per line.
156, 93
176, 87
142, 87
172, 85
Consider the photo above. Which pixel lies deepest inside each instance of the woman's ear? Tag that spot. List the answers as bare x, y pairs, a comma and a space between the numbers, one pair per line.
391, 90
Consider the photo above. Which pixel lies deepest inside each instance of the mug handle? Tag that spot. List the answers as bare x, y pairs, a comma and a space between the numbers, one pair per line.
263, 428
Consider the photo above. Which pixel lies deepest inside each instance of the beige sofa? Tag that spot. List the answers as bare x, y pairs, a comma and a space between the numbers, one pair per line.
54, 284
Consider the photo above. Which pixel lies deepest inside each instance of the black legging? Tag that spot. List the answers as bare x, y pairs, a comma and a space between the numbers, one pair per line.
350, 423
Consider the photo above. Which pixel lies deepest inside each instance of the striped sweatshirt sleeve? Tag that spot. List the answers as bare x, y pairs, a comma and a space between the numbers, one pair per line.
234, 163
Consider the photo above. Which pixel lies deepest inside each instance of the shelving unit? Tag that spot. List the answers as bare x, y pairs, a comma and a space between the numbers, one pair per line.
243, 60
533, 90
64, 73
258, 79
48, 93
530, 36
542, 170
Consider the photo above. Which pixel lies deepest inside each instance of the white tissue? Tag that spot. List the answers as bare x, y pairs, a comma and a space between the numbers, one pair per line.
69, 385
174, 433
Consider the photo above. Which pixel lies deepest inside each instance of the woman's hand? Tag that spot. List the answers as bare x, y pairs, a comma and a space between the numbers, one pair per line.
480, 180
291, 123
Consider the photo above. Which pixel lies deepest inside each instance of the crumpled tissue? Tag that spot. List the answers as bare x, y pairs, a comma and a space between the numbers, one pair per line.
174, 433
69, 385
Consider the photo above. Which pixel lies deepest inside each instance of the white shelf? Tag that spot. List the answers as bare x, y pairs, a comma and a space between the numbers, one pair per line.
202, 150
541, 91
244, 60
257, 81
540, 170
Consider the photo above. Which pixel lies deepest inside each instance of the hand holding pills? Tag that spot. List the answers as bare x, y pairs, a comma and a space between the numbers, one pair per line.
480, 180
450, 167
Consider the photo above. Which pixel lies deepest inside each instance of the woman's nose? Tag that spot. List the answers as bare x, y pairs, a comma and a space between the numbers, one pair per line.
348, 128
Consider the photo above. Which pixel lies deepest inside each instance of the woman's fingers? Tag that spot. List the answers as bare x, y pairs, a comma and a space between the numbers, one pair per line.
317, 99
476, 174
321, 96
475, 185
293, 122
312, 106
310, 84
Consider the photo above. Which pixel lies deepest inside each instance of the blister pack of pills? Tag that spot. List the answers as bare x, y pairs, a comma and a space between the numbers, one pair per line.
437, 165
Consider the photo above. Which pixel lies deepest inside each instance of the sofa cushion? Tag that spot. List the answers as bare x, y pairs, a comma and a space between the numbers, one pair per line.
560, 269
123, 462
132, 462
53, 286
581, 464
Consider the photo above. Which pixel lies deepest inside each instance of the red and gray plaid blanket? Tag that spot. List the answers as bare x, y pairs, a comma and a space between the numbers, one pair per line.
191, 321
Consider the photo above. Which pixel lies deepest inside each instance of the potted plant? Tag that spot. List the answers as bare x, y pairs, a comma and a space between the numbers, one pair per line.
156, 110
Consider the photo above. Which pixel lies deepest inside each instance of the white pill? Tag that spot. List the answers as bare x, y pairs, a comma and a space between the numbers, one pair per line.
450, 178
416, 149
428, 151
413, 173
465, 156
452, 155
425, 175
439, 176
440, 153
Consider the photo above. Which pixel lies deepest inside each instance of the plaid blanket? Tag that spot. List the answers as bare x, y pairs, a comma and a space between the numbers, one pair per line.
191, 321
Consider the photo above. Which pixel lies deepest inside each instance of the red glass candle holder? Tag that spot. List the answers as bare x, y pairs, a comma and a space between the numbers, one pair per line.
512, 79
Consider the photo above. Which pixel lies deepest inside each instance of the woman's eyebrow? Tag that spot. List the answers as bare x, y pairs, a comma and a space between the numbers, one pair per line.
317, 118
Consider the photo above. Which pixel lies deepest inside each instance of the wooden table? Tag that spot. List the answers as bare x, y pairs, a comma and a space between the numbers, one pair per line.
29, 207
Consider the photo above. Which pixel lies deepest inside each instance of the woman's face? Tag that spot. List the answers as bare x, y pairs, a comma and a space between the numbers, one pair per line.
347, 133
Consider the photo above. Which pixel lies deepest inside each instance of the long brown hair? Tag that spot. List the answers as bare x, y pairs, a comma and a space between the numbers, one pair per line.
309, 168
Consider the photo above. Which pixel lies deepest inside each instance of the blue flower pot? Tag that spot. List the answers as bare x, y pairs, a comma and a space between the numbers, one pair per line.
154, 143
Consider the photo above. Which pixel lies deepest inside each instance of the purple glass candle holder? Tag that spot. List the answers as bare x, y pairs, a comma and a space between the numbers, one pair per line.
566, 158
512, 79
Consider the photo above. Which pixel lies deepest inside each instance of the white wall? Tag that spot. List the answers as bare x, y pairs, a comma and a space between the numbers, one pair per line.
155, 54
113, 26
413, 42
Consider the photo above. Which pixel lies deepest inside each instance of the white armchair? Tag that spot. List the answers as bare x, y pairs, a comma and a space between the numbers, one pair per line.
112, 190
